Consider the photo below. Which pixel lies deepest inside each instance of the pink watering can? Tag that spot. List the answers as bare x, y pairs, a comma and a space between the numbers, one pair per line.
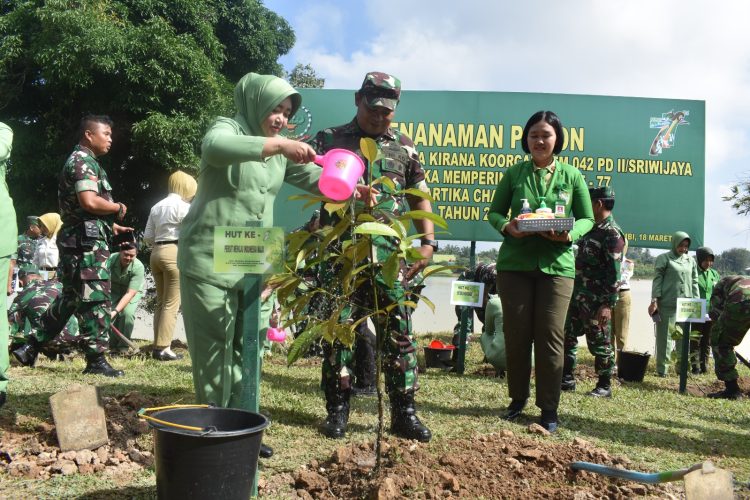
276, 335
341, 170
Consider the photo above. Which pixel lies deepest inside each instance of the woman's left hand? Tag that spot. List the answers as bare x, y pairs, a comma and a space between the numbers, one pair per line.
561, 237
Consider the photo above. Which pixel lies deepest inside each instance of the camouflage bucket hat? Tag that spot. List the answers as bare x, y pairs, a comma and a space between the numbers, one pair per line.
604, 192
32, 220
381, 89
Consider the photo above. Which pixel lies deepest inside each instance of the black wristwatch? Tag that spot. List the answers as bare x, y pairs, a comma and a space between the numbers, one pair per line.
432, 243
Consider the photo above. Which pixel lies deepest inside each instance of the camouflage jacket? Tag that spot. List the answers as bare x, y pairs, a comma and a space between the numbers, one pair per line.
598, 263
32, 302
730, 290
25, 254
82, 172
397, 159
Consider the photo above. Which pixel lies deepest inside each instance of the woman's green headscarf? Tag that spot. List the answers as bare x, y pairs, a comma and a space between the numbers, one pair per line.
255, 96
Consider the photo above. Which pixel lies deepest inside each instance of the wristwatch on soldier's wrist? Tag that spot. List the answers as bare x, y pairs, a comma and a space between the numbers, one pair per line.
432, 243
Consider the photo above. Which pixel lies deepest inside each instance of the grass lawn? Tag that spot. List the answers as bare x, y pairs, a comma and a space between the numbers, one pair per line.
653, 425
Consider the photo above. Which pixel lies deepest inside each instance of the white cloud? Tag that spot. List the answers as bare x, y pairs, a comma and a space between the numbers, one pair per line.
685, 49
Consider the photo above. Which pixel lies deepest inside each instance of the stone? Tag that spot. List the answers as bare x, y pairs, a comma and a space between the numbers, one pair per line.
68, 455
506, 433
85, 469
448, 481
529, 454
79, 418
102, 454
84, 457
135, 455
538, 429
581, 443
342, 455
310, 481
387, 490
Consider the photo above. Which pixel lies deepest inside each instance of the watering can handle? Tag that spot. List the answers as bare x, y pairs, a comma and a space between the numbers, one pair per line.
319, 159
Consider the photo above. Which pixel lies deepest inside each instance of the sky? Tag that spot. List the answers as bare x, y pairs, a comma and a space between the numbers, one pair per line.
683, 49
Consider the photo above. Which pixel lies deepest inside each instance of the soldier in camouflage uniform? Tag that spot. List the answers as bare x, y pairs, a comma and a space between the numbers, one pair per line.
26, 310
595, 293
27, 243
376, 102
88, 213
730, 313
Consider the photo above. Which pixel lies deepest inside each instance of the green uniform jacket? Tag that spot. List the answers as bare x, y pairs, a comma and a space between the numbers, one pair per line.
235, 186
706, 281
567, 186
8, 229
676, 276
130, 278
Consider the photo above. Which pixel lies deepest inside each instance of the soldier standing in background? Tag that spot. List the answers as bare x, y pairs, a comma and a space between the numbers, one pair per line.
376, 102
88, 213
8, 235
730, 313
595, 294
27, 243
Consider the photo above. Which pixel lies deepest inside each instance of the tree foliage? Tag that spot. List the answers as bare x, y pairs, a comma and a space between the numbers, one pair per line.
732, 261
739, 197
162, 69
305, 77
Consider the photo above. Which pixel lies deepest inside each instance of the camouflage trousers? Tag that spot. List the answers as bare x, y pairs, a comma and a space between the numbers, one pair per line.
399, 344
726, 334
86, 293
581, 320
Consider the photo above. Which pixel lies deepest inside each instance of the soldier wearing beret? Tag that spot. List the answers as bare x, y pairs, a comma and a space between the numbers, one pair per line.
595, 293
376, 102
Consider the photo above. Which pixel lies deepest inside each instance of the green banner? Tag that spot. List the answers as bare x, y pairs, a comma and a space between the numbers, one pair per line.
651, 151
248, 250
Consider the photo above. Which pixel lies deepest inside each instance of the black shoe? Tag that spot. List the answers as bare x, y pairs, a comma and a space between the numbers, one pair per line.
601, 392
515, 408
26, 354
404, 420
98, 365
367, 390
337, 420
732, 391
568, 383
265, 451
3, 398
165, 355
548, 420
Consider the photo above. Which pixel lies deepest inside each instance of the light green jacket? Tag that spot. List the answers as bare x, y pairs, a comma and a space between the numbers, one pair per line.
675, 276
236, 185
8, 227
566, 185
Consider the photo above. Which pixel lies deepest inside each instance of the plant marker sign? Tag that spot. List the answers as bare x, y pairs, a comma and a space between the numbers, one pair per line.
691, 310
248, 250
467, 293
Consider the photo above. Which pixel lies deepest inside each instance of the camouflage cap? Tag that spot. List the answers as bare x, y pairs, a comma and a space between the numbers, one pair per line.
381, 89
604, 192
32, 220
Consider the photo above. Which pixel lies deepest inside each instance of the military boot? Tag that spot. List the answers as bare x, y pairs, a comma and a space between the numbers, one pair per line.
731, 391
27, 353
96, 364
364, 363
404, 420
337, 406
603, 388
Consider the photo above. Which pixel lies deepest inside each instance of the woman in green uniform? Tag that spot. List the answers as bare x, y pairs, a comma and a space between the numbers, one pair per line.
244, 162
536, 270
127, 276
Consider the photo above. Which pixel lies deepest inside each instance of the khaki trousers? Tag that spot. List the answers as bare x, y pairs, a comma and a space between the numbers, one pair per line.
535, 305
621, 321
167, 278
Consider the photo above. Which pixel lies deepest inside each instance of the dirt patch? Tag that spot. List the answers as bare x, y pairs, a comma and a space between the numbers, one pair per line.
702, 390
30, 450
499, 465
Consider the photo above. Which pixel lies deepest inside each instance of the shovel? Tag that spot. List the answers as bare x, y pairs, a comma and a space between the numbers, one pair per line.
702, 480
125, 339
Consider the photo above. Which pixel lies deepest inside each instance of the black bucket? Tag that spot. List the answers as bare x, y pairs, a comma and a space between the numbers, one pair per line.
631, 366
219, 462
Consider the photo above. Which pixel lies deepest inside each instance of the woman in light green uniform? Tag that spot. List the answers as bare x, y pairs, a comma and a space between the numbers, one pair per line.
243, 165
8, 238
127, 276
675, 275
